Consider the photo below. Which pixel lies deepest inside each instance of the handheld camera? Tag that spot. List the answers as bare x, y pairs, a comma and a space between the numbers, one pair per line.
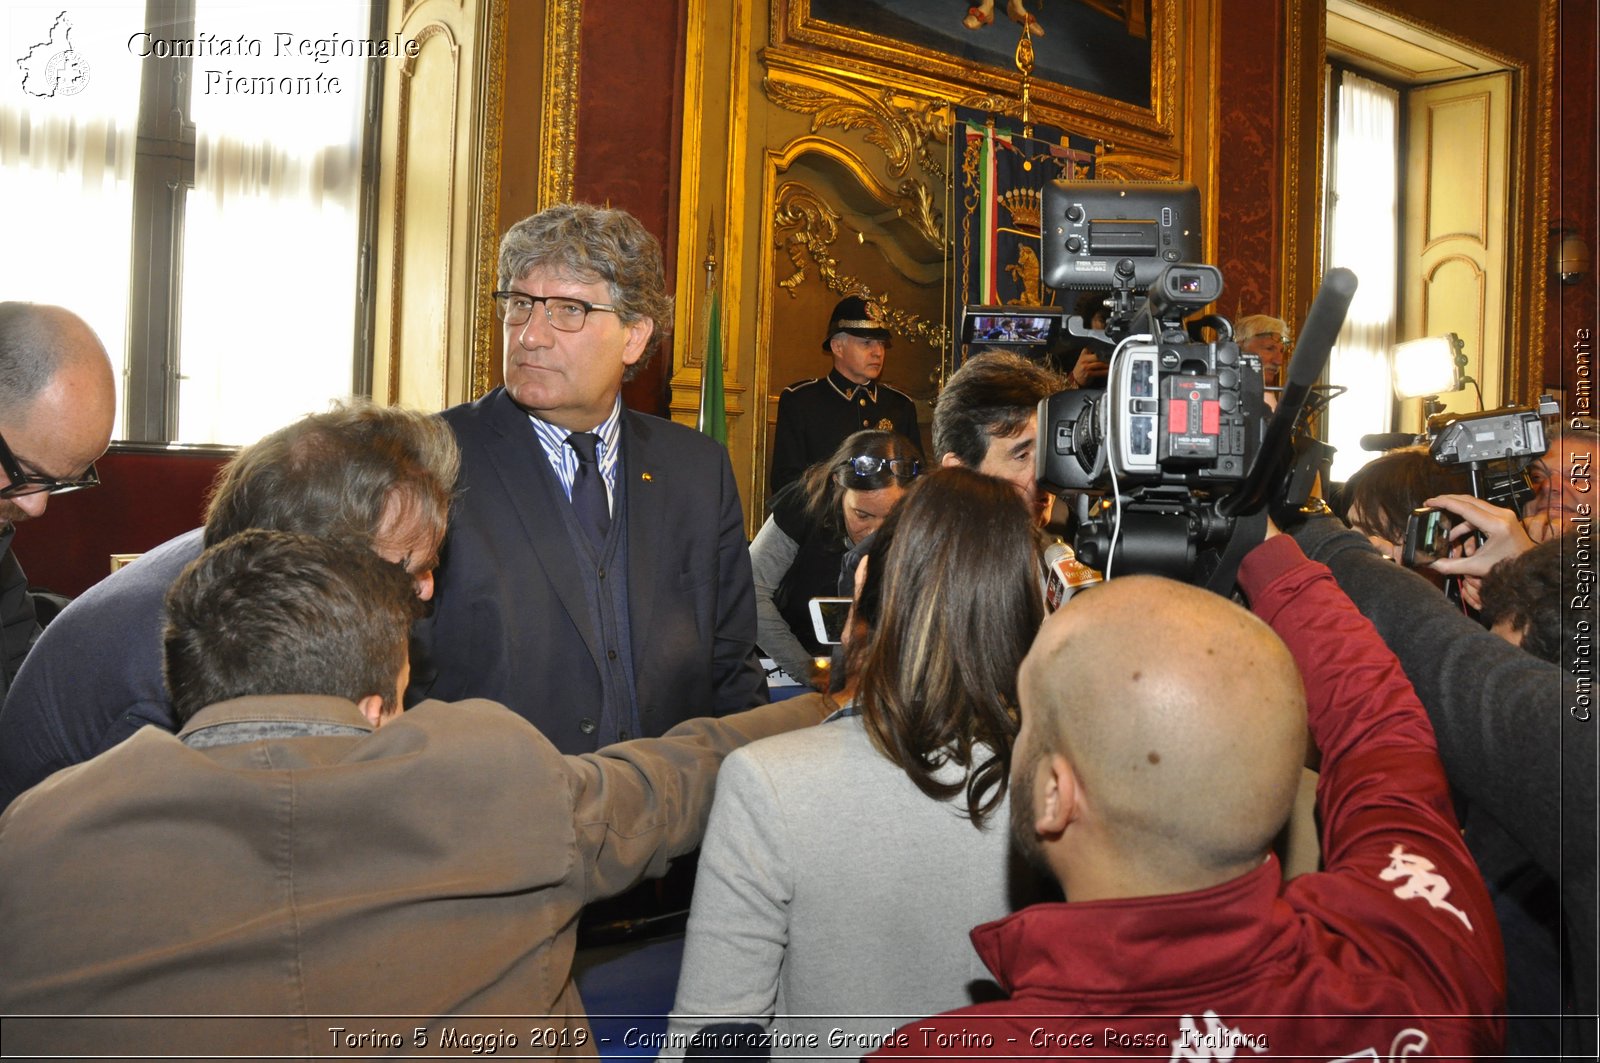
1427, 537
1497, 446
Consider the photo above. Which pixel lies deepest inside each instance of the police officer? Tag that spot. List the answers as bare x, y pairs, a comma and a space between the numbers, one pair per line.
815, 416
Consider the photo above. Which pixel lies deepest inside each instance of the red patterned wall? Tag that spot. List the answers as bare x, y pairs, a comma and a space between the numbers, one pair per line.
142, 501
1248, 156
629, 125
1572, 309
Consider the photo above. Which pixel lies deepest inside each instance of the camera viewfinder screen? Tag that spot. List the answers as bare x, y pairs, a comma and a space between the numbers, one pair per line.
1011, 328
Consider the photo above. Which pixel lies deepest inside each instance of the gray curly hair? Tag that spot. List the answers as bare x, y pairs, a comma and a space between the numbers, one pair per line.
588, 244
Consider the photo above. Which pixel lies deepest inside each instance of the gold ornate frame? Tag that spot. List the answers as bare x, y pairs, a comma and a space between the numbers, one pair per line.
1158, 128
762, 124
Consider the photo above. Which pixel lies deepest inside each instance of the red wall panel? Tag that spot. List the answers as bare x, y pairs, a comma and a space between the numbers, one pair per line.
1571, 309
629, 122
142, 501
1249, 84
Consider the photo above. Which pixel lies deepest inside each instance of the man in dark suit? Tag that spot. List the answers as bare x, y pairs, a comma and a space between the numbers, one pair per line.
596, 577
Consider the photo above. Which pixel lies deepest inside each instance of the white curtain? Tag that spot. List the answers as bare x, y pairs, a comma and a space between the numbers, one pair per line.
66, 163
1361, 233
270, 254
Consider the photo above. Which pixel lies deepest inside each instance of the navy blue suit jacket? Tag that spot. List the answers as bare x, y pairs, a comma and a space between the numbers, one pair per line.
510, 620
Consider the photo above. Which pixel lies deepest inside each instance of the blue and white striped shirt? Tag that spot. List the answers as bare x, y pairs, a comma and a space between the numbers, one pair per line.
564, 460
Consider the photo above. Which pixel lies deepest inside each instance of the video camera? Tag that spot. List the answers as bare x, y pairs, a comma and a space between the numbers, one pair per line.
1497, 446
1175, 462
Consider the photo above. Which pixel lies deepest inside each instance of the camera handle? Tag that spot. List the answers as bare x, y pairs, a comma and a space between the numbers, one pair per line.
1317, 337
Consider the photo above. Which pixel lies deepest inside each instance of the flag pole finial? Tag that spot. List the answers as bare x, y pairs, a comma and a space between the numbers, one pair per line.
710, 262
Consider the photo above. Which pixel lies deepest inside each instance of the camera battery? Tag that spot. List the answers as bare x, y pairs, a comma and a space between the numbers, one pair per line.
1191, 431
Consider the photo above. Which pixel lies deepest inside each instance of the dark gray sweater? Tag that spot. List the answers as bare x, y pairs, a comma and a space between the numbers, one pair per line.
1508, 734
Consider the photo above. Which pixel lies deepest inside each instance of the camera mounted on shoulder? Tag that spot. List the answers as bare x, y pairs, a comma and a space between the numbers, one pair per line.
1176, 463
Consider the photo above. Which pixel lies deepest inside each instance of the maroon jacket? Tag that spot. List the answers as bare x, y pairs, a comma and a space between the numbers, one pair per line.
1391, 950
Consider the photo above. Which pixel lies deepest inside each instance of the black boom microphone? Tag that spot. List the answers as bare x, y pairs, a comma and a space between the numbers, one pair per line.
1387, 440
1310, 357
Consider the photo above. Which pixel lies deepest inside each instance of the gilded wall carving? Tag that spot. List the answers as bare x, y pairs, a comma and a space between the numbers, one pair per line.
558, 128
807, 230
492, 89
905, 131
836, 163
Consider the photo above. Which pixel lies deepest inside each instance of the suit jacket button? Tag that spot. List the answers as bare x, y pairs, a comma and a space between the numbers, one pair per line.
587, 726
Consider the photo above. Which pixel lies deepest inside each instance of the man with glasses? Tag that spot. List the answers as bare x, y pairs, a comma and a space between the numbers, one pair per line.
57, 402
595, 578
1563, 483
304, 852
815, 416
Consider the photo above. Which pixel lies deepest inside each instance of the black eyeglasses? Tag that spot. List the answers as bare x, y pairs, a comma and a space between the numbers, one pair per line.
863, 466
564, 315
31, 483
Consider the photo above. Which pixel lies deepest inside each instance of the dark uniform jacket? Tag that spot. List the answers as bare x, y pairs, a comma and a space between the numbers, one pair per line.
815, 416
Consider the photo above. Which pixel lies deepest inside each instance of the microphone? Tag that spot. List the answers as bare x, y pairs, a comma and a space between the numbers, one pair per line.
1387, 440
1310, 356
1064, 575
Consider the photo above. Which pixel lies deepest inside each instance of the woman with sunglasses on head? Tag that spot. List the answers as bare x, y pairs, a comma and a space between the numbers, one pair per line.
795, 556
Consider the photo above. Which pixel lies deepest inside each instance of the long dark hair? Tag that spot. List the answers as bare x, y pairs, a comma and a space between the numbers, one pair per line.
825, 483
957, 606
1385, 490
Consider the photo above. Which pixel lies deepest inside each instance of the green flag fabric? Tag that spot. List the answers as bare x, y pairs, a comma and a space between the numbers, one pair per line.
713, 416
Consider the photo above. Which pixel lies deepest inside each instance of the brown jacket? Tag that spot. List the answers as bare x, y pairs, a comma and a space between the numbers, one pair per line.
342, 887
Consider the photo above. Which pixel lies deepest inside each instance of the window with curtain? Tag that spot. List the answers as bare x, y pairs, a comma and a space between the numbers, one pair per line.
66, 164
1361, 233
199, 203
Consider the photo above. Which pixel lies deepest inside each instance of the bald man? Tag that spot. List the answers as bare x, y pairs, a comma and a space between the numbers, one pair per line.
57, 402
1151, 786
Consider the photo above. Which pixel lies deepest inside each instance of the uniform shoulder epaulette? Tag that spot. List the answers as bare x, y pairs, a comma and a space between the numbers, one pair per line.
803, 383
897, 391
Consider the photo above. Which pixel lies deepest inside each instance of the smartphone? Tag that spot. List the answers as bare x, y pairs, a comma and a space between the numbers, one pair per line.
1427, 537
828, 616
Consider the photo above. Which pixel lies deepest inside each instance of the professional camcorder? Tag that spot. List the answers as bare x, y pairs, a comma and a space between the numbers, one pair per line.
1175, 462
1497, 446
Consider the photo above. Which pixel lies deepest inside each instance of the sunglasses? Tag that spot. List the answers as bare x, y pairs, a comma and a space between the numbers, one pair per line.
864, 467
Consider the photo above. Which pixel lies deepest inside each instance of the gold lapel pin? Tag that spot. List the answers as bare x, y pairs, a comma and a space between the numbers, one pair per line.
646, 477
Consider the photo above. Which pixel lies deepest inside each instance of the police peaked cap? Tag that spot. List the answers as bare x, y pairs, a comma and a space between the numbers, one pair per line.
857, 316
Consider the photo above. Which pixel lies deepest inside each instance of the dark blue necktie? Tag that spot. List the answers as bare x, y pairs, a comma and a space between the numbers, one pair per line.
589, 490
